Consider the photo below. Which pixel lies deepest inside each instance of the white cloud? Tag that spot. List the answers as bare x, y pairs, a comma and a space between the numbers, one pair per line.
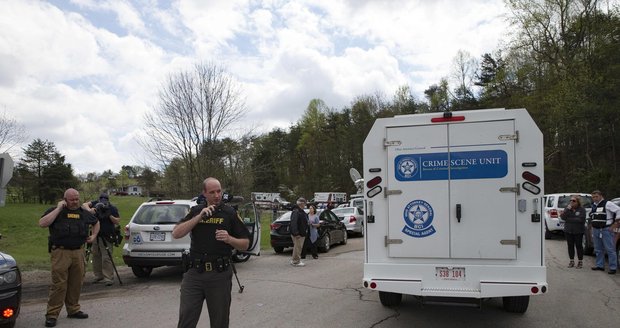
83, 73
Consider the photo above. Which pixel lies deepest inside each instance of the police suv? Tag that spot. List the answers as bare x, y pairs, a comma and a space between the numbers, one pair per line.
148, 236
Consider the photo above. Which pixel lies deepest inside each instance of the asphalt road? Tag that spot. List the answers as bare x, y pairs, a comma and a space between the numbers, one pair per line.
327, 293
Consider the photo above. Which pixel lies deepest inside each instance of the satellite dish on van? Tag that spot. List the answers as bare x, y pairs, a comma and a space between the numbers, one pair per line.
355, 175
358, 181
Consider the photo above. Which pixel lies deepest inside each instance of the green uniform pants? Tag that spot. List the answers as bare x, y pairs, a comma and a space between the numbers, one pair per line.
212, 286
67, 278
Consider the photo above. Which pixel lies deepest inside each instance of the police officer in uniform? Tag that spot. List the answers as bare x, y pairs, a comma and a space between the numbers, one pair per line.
215, 230
605, 218
102, 248
68, 225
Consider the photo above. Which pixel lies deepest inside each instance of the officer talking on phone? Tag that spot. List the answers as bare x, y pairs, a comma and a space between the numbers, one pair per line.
68, 225
215, 230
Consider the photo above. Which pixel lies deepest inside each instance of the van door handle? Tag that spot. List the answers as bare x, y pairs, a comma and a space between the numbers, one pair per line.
458, 212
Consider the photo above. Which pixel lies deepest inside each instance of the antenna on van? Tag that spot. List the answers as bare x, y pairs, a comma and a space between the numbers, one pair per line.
358, 181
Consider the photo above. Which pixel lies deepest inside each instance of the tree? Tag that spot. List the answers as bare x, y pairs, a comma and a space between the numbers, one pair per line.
438, 96
463, 72
43, 172
147, 180
564, 58
11, 133
195, 108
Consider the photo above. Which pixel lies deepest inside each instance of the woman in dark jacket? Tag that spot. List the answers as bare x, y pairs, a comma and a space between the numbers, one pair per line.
574, 217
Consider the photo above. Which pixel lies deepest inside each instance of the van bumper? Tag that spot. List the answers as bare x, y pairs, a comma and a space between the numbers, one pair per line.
479, 282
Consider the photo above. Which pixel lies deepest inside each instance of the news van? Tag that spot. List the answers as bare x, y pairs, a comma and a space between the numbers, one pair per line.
453, 207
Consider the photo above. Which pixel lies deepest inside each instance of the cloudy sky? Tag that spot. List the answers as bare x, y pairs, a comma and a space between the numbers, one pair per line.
83, 73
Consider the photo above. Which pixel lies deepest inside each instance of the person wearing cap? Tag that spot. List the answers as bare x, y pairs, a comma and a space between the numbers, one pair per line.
108, 216
299, 230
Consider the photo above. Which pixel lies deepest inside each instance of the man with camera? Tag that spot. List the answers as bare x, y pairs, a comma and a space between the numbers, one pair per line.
102, 248
215, 230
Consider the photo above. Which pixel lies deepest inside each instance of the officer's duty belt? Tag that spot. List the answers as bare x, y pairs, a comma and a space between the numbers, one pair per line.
220, 265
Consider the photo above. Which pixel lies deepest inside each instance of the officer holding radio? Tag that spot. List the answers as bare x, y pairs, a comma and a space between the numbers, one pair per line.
215, 230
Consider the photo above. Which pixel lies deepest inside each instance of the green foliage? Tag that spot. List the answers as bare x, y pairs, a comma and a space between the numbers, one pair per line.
42, 173
27, 242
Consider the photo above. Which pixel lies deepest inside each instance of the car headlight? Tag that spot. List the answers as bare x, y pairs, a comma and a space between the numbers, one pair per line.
9, 277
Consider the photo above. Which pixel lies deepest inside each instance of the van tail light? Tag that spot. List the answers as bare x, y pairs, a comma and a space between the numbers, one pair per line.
352, 219
127, 232
553, 214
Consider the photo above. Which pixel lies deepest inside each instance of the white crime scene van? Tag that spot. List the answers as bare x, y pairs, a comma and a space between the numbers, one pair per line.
453, 207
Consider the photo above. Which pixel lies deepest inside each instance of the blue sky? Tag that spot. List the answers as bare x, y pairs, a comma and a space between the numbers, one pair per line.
83, 73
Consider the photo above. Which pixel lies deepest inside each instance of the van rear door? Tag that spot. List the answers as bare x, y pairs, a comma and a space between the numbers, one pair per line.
452, 190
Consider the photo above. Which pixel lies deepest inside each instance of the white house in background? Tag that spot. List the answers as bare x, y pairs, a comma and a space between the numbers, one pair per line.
134, 190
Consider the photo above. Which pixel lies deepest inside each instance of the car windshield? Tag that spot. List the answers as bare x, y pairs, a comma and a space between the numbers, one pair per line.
586, 201
161, 214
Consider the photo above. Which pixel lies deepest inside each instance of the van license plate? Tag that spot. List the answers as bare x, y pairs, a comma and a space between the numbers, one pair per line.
158, 236
443, 273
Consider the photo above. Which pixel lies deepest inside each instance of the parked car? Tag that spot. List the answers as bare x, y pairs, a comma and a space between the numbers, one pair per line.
148, 236
352, 217
554, 205
331, 231
10, 290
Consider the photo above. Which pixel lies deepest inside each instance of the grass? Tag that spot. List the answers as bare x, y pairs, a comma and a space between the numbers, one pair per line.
23, 239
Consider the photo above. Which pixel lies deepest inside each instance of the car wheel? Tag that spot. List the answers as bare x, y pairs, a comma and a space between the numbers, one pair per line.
390, 299
326, 244
548, 234
141, 272
362, 232
278, 249
240, 257
516, 304
9, 324
344, 237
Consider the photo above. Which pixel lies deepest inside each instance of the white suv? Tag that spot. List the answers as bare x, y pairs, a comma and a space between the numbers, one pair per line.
148, 236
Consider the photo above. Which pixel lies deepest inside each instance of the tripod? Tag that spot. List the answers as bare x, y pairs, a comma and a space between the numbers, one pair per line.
241, 287
107, 249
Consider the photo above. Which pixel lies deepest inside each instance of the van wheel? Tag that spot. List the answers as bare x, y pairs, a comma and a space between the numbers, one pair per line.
278, 249
390, 299
141, 272
516, 304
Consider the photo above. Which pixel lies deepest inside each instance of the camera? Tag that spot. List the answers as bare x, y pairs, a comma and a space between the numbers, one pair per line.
101, 206
228, 198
